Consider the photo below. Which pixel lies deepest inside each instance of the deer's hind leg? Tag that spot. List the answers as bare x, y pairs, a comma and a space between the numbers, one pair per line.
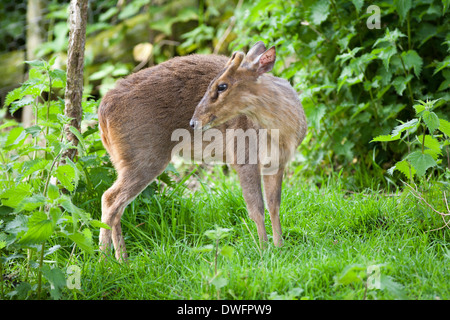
132, 179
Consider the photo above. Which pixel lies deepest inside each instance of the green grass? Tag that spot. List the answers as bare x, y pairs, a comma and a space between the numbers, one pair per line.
326, 230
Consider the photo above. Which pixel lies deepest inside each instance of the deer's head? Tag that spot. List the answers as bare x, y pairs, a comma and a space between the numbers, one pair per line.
233, 89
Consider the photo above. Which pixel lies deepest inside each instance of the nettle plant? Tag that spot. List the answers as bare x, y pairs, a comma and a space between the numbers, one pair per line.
37, 213
216, 235
427, 138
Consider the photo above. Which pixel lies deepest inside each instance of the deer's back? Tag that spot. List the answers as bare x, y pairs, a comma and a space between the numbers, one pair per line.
165, 95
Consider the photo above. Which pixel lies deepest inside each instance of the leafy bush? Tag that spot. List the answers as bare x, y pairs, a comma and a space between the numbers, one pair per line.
431, 145
356, 83
36, 190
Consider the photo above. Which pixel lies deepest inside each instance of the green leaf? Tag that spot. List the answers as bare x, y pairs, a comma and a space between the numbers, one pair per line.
57, 279
66, 174
99, 224
441, 65
445, 5
390, 37
40, 228
430, 143
25, 101
400, 83
404, 167
315, 115
444, 127
67, 204
13, 95
37, 63
77, 213
108, 14
394, 288
227, 251
31, 203
446, 83
385, 54
292, 294
219, 282
33, 130
320, 11
33, 166
59, 78
207, 248
218, 233
412, 60
15, 137
82, 241
18, 225
411, 124
419, 108
132, 8
351, 274
402, 7
21, 290
426, 32
52, 192
79, 136
358, 4
421, 162
431, 120
386, 138
14, 195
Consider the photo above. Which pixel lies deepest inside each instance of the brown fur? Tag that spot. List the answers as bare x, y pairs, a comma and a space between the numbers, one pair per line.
138, 117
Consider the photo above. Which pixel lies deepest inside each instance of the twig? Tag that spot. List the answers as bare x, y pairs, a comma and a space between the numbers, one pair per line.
228, 30
254, 240
225, 35
443, 215
415, 194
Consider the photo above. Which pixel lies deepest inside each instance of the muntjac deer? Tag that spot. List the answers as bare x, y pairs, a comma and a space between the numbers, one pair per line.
198, 93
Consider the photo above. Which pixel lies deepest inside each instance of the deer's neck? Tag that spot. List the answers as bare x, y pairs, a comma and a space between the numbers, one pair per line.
274, 105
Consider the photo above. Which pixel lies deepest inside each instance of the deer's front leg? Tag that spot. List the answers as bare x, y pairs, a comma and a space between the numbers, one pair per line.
250, 179
272, 190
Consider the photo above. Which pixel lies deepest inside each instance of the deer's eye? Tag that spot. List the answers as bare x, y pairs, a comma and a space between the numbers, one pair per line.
222, 87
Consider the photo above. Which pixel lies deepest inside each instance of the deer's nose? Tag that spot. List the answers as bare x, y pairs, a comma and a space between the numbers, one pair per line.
193, 123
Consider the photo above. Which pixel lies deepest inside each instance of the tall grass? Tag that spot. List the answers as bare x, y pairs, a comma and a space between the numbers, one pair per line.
326, 230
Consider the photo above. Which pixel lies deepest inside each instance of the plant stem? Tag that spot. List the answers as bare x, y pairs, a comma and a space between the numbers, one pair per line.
48, 109
336, 13
448, 157
4, 163
409, 152
216, 257
365, 290
2, 295
423, 139
41, 261
409, 84
201, 10
409, 32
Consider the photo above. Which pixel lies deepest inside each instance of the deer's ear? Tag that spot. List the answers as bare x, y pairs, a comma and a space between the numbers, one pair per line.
266, 61
259, 59
255, 51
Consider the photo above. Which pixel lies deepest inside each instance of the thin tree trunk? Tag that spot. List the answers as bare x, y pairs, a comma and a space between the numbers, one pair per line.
34, 40
75, 64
